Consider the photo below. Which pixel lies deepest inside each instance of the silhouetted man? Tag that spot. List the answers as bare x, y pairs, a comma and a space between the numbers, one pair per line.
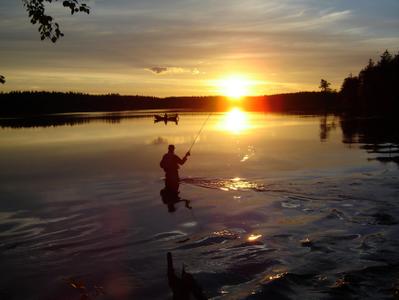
170, 164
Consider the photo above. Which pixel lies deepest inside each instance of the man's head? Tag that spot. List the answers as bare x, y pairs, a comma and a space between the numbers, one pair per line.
171, 148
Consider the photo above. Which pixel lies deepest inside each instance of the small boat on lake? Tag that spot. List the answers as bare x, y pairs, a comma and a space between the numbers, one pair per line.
166, 118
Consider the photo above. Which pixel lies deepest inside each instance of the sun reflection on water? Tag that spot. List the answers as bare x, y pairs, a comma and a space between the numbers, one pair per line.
254, 237
235, 121
239, 184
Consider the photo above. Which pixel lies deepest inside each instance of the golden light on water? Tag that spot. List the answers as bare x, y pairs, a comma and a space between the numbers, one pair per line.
254, 237
275, 276
235, 121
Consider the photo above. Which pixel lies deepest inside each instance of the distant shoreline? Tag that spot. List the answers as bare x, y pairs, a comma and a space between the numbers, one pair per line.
19, 104
372, 92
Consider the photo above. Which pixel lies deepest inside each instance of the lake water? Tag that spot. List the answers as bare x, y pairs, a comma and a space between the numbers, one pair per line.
283, 207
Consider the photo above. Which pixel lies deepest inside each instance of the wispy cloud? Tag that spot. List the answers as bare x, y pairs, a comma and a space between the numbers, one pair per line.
158, 70
173, 70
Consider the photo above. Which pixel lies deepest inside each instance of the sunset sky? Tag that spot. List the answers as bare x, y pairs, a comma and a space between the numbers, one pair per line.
190, 47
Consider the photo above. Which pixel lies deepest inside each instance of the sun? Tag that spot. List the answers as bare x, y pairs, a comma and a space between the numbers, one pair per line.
234, 87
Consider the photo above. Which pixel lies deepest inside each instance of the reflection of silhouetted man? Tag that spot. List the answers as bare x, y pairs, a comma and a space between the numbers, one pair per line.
171, 198
170, 164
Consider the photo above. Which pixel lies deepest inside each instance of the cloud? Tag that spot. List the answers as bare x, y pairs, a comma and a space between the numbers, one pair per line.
158, 70
173, 70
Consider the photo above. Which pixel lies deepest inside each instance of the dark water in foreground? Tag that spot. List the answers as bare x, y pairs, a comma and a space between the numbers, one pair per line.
282, 209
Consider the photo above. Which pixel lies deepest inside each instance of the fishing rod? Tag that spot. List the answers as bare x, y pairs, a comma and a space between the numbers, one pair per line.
192, 145
199, 132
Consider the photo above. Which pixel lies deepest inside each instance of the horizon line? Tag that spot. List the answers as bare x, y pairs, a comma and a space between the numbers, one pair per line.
151, 96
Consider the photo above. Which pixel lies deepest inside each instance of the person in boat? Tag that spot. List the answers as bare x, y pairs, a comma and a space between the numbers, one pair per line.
170, 164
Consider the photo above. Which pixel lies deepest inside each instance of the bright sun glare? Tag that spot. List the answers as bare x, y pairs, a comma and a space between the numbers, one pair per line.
235, 121
234, 87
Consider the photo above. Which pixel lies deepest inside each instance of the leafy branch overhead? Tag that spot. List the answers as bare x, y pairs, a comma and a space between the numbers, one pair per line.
48, 28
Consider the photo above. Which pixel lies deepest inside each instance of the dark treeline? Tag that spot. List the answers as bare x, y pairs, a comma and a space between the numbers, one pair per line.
35, 103
375, 90
303, 102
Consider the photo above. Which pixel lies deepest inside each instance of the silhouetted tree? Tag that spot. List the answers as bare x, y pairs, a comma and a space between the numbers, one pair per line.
374, 90
349, 90
385, 59
325, 86
49, 29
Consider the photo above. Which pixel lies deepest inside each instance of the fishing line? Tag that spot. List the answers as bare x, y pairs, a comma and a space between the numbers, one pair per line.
193, 143
199, 132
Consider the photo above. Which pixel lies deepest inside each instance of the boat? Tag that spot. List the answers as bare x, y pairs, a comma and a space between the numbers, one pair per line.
166, 118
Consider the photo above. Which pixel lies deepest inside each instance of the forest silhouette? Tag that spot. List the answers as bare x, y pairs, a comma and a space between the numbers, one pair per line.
38, 103
372, 92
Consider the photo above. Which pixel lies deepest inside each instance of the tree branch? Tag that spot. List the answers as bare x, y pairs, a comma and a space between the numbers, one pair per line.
49, 29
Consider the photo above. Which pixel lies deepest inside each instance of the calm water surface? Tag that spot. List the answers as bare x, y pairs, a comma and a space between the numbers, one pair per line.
281, 209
